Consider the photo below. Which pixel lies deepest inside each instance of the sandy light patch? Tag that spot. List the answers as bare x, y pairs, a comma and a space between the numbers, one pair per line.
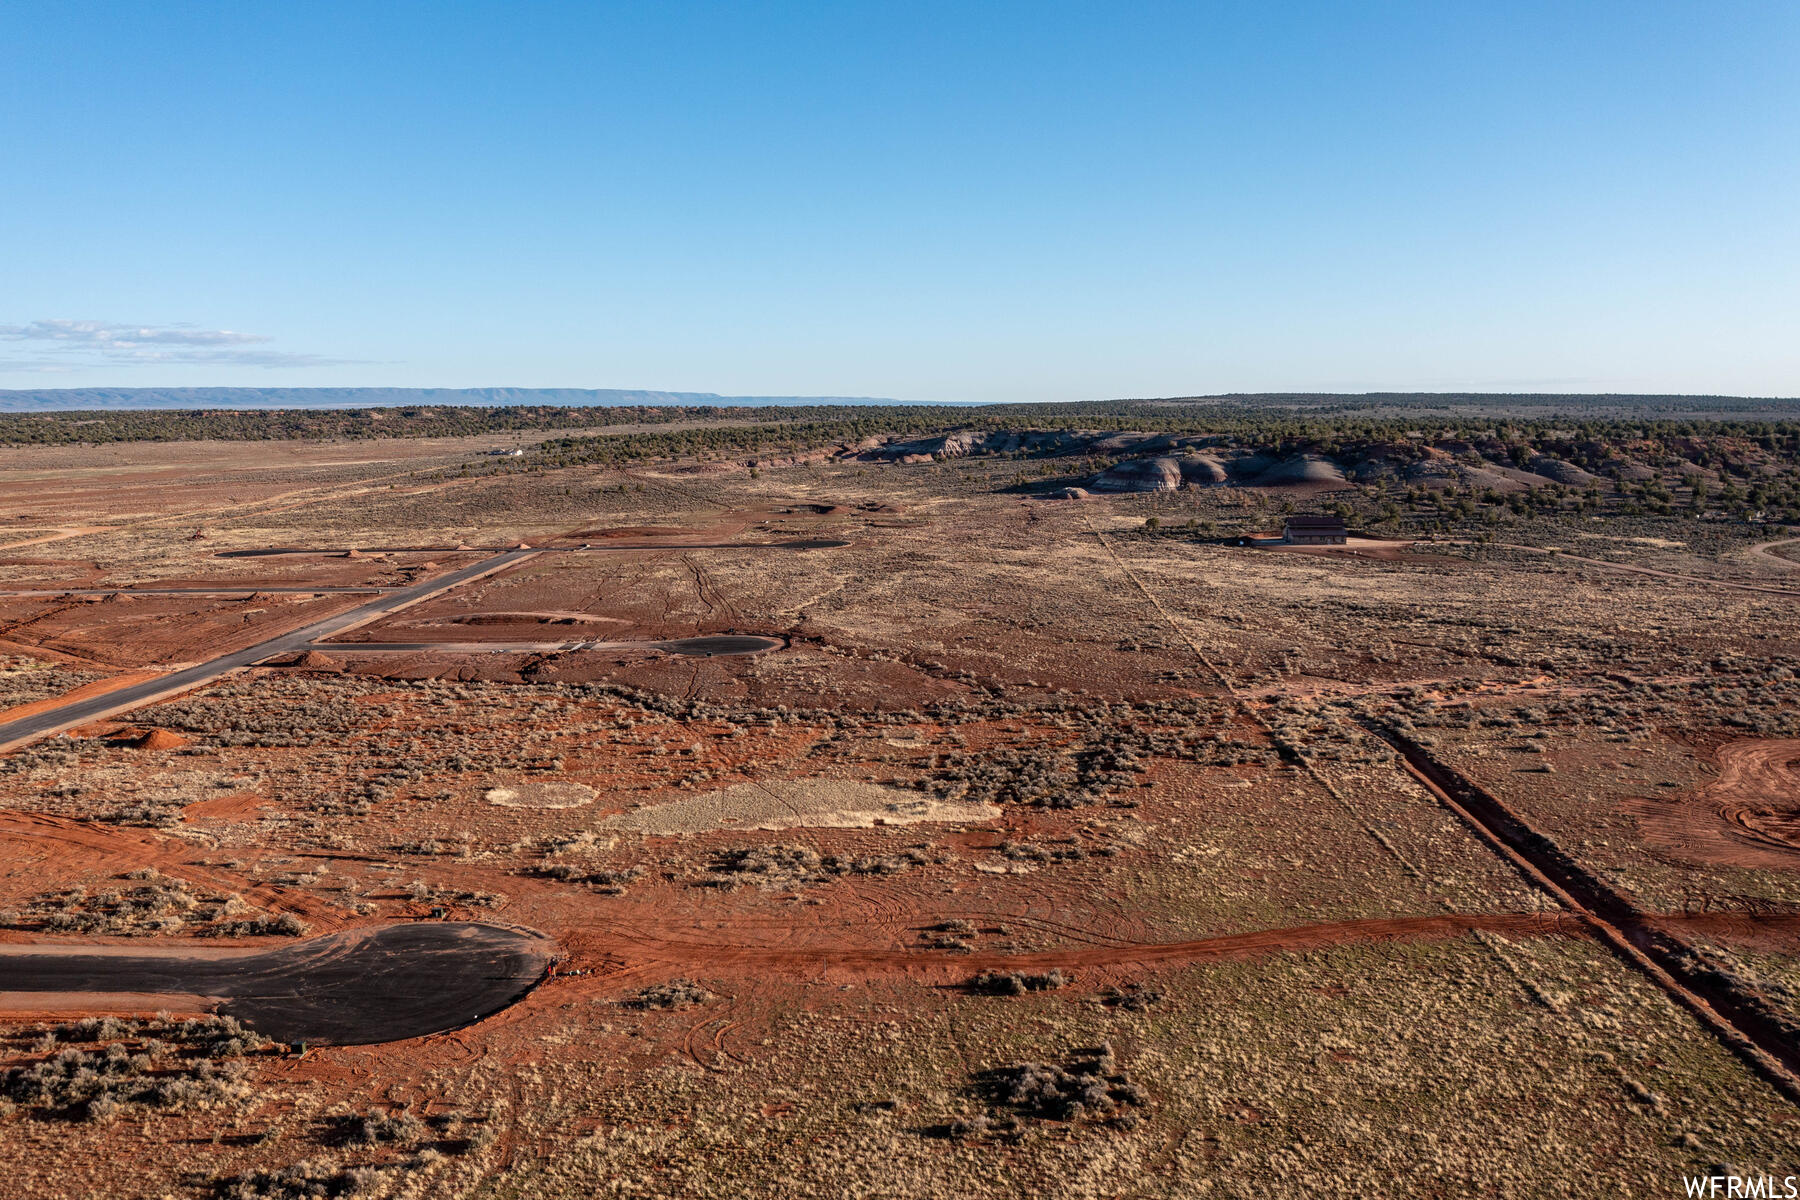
796, 804
539, 795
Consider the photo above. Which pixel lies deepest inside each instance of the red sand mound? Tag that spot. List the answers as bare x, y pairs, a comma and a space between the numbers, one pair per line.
159, 739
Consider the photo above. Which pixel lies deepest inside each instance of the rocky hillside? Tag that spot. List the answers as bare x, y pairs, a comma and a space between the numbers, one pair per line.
1496, 462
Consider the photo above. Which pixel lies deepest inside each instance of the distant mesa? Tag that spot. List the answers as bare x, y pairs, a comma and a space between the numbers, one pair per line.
139, 399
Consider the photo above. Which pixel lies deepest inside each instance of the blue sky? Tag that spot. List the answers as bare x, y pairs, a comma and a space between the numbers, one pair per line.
949, 202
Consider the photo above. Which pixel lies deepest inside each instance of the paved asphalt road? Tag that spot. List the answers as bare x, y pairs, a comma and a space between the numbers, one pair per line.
77, 712
193, 591
354, 988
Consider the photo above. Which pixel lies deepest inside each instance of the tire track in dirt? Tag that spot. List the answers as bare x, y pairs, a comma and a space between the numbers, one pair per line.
688, 1047
708, 591
71, 531
1778, 930
1091, 937
676, 955
1628, 568
720, 1038
1748, 817
54, 849
719, 1026
65, 850
1252, 713
875, 904
1758, 790
52, 610
250, 508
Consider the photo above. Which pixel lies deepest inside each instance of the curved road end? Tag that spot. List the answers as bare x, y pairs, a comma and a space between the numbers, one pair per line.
355, 988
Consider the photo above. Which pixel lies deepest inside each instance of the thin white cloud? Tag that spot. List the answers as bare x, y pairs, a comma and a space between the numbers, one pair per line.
72, 344
109, 337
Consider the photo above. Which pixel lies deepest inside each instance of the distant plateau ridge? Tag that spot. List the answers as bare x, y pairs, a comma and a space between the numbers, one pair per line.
64, 399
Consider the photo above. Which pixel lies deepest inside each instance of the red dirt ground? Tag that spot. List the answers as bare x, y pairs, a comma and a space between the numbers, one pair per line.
1748, 817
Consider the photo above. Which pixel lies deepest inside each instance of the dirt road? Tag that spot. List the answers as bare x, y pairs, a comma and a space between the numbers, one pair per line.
1564, 555
1765, 553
